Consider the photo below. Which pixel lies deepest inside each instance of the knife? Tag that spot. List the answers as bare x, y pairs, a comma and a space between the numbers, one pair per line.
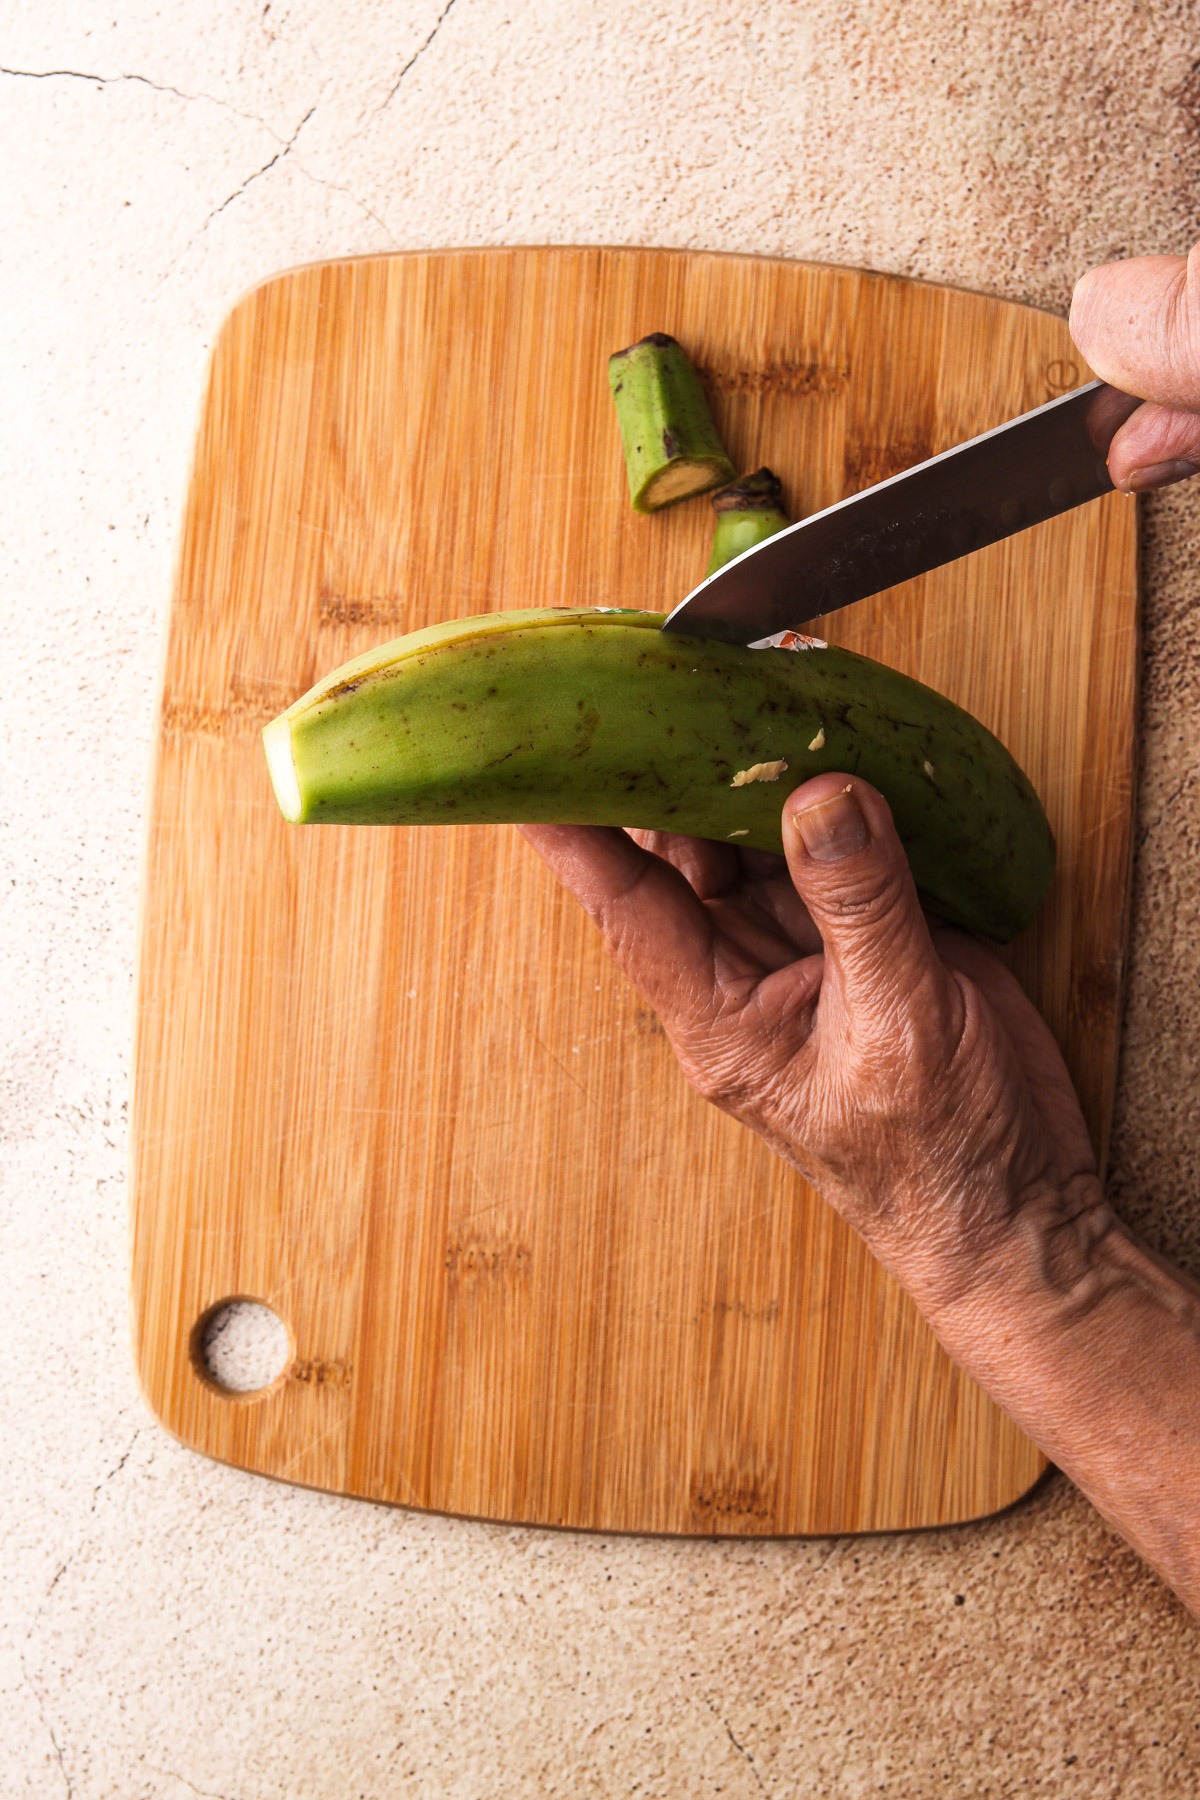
1017, 475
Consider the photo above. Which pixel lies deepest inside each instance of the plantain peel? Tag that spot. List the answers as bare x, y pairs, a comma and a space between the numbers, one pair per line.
594, 716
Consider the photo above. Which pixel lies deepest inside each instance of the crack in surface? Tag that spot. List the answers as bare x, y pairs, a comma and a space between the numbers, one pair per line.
40, 1703
173, 1775
340, 188
740, 1748
286, 144
417, 54
157, 87
103, 1483
70, 1557
258, 173
38, 1696
58, 1575
301, 169
743, 1752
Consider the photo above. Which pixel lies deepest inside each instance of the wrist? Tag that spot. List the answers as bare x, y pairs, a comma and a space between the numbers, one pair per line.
1090, 1342
1045, 1253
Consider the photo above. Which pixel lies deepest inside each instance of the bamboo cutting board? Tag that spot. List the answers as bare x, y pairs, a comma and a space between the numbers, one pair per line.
386, 1080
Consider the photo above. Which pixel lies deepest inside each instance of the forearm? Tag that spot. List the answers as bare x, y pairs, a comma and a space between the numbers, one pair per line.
1092, 1344
901, 1078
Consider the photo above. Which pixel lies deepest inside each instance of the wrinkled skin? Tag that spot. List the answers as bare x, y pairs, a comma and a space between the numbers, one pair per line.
899, 1066
1138, 324
896, 1063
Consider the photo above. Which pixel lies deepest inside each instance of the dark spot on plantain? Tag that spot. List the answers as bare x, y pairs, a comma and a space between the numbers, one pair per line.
585, 730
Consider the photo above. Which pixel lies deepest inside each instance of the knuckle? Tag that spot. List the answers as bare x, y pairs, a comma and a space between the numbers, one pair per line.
728, 1075
877, 898
911, 1039
710, 1087
719, 1080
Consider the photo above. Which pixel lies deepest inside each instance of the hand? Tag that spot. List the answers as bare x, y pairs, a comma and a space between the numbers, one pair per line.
1138, 324
899, 1066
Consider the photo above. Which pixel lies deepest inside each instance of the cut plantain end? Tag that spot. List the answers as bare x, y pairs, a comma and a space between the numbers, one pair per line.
277, 742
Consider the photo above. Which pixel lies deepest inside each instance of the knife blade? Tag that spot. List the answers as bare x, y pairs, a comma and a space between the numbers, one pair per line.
1019, 474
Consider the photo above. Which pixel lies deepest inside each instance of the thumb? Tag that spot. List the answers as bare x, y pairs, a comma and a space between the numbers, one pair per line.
850, 870
1138, 323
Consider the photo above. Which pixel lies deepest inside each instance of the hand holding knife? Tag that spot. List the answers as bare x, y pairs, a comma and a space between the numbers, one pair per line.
1019, 474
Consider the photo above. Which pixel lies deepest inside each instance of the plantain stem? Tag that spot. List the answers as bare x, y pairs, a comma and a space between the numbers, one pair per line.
672, 449
748, 512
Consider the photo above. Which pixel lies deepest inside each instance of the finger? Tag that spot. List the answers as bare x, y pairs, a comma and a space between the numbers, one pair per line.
710, 868
785, 1001
1156, 446
749, 894
776, 895
740, 910
653, 924
1046, 1075
1138, 324
754, 933
850, 870
716, 865
762, 865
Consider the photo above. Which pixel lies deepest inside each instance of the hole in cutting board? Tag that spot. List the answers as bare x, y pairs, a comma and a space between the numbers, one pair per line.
240, 1346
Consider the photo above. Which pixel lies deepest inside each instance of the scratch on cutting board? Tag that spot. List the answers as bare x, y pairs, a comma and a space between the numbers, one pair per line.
477, 1212
339, 1424
543, 1045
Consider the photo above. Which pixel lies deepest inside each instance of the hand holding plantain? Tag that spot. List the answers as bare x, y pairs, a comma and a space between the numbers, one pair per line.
901, 1068
895, 1062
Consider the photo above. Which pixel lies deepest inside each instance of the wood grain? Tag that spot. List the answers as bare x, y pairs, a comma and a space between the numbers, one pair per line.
387, 1082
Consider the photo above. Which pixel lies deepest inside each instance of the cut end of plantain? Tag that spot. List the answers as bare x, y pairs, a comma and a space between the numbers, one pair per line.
672, 449
277, 742
680, 480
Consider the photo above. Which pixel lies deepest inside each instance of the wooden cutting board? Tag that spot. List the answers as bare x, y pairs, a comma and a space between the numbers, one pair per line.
387, 1082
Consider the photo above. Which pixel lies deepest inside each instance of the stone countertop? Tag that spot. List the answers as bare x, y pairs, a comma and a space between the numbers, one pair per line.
171, 1627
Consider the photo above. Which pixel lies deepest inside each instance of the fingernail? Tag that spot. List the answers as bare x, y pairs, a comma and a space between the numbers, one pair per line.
1156, 475
833, 828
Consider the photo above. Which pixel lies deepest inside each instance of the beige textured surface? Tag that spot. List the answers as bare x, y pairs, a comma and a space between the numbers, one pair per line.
169, 1627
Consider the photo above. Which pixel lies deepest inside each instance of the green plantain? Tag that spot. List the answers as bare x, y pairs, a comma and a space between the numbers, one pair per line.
596, 717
